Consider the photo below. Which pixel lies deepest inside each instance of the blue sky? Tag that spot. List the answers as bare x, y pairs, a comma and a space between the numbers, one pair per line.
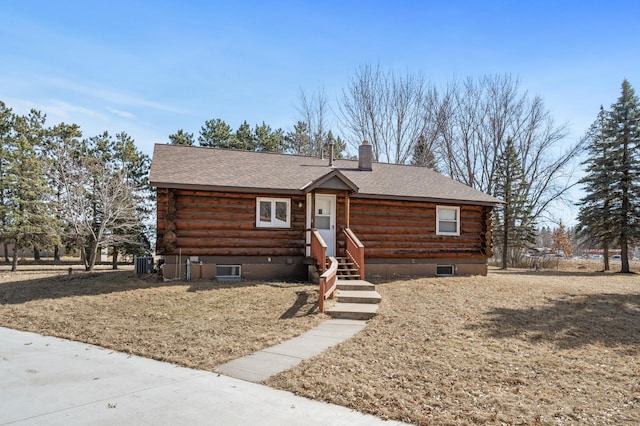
151, 68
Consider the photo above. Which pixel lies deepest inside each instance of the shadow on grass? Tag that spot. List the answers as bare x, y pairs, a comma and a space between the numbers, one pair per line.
554, 273
572, 321
206, 284
97, 283
78, 284
493, 271
301, 301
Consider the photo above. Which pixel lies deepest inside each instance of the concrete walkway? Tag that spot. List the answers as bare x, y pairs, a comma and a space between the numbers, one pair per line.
46, 380
267, 362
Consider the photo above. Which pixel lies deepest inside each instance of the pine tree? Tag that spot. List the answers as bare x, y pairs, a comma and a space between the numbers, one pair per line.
133, 166
244, 138
267, 140
339, 146
423, 155
216, 134
514, 230
182, 138
594, 217
60, 138
5, 131
298, 140
624, 131
27, 205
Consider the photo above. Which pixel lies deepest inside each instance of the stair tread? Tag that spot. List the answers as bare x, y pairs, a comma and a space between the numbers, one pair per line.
368, 308
358, 296
355, 282
358, 293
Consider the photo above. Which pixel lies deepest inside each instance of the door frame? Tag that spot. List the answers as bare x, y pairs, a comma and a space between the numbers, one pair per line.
331, 245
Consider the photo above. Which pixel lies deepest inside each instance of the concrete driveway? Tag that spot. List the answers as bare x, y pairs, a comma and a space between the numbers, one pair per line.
46, 380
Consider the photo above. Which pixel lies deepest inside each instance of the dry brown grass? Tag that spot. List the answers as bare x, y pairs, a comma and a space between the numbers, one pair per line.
197, 324
511, 348
516, 347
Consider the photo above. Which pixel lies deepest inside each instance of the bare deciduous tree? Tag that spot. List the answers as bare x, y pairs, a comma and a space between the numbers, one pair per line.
313, 112
391, 111
479, 116
312, 133
96, 204
464, 128
97, 199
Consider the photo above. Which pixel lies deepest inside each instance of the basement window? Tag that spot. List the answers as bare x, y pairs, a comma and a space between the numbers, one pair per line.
273, 212
228, 272
444, 270
447, 220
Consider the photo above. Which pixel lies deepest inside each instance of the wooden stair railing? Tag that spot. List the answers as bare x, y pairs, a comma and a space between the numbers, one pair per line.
319, 250
328, 283
355, 250
328, 278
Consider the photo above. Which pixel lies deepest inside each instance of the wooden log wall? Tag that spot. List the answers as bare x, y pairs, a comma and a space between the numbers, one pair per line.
487, 232
207, 223
407, 229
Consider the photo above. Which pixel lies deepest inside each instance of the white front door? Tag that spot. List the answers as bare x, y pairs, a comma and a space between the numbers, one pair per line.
325, 220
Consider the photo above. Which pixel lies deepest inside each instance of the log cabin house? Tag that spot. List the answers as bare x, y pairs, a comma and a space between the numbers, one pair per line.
242, 214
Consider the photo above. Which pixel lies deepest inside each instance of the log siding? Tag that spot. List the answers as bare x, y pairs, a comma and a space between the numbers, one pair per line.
210, 223
407, 229
214, 223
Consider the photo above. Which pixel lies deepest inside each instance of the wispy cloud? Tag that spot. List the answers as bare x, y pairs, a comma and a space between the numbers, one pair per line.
120, 113
54, 108
108, 95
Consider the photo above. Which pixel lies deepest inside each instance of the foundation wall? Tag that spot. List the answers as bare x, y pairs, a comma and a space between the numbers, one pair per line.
388, 269
257, 268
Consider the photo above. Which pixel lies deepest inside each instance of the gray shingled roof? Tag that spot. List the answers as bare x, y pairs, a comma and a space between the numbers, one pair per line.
176, 166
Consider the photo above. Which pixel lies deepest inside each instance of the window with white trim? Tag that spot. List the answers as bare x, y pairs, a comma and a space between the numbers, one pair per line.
228, 272
273, 212
447, 220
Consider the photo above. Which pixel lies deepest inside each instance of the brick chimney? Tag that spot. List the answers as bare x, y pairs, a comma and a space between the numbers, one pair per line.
365, 156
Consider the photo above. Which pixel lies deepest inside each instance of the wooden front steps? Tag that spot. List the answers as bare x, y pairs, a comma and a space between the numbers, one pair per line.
347, 270
355, 299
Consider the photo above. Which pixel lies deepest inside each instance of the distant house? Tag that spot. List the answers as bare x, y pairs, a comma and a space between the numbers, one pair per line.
257, 215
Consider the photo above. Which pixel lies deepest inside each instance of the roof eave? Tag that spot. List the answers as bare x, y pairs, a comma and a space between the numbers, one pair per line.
252, 190
430, 199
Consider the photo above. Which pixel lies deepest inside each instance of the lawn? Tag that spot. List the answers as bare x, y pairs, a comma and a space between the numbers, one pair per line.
511, 348
199, 324
516, 347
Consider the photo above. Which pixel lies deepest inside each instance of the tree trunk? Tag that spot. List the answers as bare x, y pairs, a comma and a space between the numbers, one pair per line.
6, 251
114, 263
90, 262
14, 264
85, 256
605, 253
624, 254
56, 253
505, 240
36, 253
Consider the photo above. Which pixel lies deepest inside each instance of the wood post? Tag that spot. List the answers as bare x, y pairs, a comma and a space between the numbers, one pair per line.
346, 209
